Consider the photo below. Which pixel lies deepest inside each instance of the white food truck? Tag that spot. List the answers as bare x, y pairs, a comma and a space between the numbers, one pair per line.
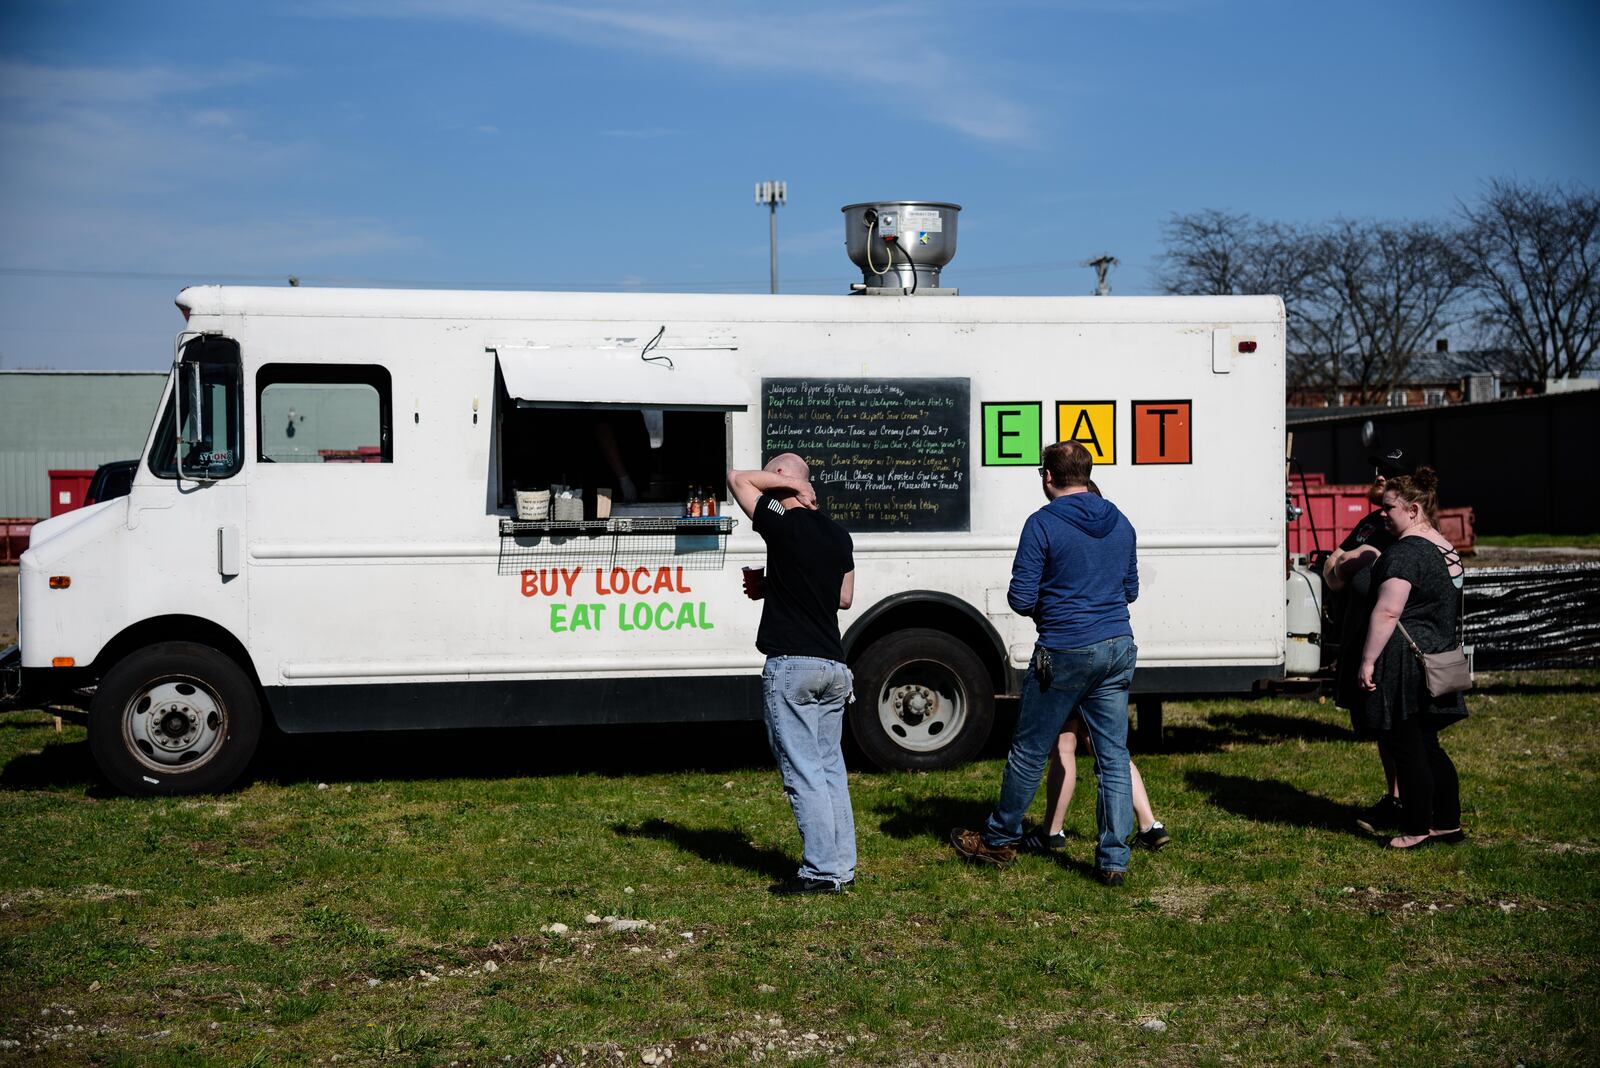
325, 526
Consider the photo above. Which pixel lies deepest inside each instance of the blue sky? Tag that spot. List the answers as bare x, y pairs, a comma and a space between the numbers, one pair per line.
614, 144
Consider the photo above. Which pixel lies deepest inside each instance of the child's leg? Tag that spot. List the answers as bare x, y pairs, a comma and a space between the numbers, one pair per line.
1141, 800
1061, 780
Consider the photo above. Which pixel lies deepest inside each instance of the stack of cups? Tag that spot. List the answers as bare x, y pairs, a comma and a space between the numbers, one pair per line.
533, 505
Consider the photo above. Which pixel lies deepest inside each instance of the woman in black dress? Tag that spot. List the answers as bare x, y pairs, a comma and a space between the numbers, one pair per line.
1419, 586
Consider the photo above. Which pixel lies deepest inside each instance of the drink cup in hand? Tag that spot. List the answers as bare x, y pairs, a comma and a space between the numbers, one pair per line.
755, 583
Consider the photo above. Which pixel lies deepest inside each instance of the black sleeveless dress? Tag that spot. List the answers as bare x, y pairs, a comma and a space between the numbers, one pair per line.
1431, 616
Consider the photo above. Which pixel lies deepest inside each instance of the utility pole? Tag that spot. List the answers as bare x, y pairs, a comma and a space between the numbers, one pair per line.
1101, 264
772, 194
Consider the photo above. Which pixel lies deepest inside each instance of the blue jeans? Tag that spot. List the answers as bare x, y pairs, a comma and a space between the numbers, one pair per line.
1094, 681
803, 698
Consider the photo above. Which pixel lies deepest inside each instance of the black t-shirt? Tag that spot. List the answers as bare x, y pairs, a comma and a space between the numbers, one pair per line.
1353, 609
808, 556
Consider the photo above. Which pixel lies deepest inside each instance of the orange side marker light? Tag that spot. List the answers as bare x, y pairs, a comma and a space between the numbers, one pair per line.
60, 582
63, 661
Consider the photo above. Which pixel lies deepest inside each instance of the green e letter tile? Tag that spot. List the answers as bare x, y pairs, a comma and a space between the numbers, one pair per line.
1011, 434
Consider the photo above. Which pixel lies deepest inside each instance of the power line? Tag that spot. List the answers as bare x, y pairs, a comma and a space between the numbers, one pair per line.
205, 277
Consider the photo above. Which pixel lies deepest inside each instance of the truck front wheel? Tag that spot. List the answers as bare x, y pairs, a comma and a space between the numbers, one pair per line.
174, 718
923, 700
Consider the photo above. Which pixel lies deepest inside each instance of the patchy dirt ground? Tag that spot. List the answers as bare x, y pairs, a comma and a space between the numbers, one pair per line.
1496, 556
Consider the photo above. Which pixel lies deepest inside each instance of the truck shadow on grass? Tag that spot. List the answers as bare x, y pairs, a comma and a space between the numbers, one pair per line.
521, 752
465, 754
60, 765
1274, 801
714, 845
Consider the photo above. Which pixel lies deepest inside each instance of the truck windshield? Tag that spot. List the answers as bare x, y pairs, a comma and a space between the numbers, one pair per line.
213, 436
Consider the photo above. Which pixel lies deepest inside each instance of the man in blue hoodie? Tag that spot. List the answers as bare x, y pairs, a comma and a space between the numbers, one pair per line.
1075, 573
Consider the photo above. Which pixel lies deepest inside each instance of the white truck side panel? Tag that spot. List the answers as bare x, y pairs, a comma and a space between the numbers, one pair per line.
387, 572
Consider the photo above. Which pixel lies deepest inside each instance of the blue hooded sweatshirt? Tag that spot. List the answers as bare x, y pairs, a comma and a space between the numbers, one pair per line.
1076, 571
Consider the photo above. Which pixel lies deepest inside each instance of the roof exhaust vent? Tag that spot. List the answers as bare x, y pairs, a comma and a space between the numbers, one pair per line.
901, 245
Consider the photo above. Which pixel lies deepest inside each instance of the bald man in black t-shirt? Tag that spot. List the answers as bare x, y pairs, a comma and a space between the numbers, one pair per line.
810, 576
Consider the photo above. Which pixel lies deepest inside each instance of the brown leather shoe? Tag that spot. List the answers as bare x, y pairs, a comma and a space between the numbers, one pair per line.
971, 846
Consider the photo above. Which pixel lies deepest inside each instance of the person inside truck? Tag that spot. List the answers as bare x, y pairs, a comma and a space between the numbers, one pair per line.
1348, 573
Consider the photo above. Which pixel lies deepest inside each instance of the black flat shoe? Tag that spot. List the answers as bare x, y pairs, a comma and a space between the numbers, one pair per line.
1455, 837
797, 884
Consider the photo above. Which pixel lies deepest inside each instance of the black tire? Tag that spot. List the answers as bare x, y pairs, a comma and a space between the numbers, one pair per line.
174, 718
923, 701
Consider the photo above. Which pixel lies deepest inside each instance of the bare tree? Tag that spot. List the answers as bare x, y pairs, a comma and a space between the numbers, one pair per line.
1220, 253
1207, 253
1535, 254
1378, 294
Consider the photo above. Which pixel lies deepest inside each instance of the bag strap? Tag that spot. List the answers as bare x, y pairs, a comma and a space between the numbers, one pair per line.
1415, 648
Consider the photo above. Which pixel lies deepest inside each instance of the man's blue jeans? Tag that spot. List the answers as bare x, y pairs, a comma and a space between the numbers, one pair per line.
1094, 680
803, 697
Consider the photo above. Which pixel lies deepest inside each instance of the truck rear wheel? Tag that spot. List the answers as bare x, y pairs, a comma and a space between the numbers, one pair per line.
923, 700
174, 718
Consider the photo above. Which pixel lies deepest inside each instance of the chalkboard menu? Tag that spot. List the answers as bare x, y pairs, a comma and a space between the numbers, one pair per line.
885, 453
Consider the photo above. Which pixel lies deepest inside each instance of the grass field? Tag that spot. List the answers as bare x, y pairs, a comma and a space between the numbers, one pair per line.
388, 901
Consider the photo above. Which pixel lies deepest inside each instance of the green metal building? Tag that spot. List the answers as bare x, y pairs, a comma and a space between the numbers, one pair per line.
55, 420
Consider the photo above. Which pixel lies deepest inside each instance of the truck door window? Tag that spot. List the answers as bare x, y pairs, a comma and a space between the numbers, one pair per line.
214, 434
323, 414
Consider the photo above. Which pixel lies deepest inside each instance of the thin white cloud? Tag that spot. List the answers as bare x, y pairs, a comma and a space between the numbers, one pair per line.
213, 118
845, 46
56, 87
120, 168
644, 134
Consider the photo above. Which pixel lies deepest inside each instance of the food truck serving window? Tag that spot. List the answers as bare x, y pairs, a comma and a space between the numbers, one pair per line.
643, 435
323, 413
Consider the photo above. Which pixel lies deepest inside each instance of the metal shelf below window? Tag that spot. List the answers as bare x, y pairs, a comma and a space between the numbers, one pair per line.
700, 544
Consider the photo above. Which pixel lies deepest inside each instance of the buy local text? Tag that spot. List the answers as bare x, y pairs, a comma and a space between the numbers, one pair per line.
568, 617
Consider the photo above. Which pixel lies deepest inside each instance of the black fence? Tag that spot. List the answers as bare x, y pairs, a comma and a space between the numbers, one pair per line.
1525, 466
1533, 617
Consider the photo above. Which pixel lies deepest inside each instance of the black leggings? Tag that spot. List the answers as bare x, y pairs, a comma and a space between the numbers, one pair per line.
1430, 793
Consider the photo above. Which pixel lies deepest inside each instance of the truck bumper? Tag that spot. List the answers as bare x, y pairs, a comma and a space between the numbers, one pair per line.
51, 688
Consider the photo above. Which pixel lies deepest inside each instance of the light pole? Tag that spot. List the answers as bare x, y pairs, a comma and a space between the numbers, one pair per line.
772, 194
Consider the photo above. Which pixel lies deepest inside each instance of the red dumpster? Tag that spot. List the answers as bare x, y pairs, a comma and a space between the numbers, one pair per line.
1459, 526
1333, 511
14, 535
67, 489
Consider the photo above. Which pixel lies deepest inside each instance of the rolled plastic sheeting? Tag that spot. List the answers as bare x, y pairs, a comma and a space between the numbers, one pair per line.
1533, 617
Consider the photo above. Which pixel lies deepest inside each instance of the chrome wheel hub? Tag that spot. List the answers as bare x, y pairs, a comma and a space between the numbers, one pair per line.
174, 723
922, 706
